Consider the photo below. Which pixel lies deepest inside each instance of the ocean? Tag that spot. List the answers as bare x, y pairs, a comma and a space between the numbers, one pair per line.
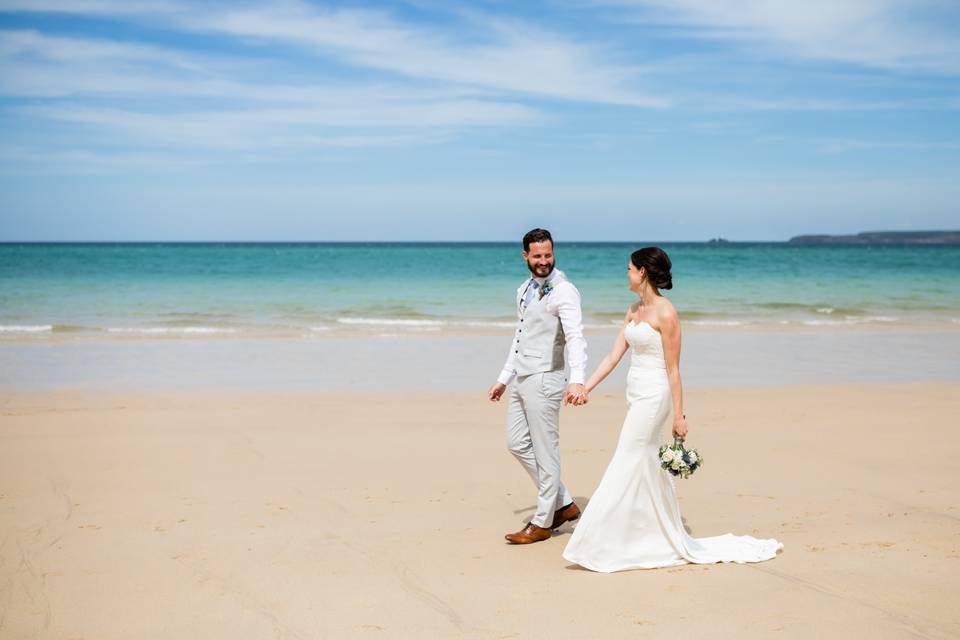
305, 289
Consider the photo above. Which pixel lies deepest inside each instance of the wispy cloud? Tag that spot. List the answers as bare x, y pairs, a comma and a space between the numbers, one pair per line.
900, 35
359, 77
289, 129
19, 160
510, 57
30, 43
507, 56
845, 145
38, 65
238, 113
731, 103
95, 7
33, 64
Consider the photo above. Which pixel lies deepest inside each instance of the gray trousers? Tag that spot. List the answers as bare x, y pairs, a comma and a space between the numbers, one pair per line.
533, 436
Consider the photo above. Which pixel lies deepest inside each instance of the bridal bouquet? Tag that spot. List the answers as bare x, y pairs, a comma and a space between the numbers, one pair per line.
678, 460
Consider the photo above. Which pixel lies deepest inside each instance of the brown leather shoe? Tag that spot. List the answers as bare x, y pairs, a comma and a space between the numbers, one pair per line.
568, 513
530, 533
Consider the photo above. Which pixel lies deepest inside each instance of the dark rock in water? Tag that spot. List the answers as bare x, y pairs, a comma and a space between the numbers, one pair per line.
883, 237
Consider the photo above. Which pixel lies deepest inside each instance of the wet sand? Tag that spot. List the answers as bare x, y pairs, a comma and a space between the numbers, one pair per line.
440, 362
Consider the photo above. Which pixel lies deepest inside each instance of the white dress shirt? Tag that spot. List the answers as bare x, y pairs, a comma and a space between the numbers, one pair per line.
563, 301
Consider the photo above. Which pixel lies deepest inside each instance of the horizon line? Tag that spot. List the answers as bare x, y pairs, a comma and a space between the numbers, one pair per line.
719, 240
713, 240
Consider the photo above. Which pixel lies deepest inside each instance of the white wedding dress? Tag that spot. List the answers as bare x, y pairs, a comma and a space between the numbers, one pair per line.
633, 520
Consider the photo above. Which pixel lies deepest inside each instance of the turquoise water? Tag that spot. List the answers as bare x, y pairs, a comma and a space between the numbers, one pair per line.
247, 289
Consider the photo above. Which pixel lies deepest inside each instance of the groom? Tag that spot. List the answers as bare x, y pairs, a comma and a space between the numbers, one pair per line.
548, 310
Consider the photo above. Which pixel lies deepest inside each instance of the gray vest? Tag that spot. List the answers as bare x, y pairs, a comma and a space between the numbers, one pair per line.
539, 341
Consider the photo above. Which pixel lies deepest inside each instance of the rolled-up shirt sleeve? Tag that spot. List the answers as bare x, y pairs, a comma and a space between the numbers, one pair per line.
566, 301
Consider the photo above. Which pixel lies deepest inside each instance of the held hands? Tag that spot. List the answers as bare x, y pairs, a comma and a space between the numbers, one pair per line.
576, 395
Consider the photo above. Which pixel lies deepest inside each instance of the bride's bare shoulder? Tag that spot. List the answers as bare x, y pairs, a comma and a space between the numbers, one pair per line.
667, 313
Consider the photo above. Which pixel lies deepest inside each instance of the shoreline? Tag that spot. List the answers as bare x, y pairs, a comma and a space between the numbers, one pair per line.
50, 333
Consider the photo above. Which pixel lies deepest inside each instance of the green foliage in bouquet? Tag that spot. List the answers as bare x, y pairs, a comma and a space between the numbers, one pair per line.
678, 460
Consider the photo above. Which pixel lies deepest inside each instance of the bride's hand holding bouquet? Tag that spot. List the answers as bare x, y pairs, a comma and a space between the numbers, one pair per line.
680, 426
676, 458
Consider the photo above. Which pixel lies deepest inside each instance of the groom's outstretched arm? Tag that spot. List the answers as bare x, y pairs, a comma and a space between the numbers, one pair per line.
571, 319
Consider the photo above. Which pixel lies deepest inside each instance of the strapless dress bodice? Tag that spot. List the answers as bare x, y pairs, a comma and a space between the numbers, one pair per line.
646, 344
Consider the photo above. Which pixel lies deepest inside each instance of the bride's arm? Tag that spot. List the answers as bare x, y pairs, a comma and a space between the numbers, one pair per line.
670, 335
610, 361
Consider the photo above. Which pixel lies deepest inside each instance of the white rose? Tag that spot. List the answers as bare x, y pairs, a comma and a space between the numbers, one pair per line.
676, 464
667, 456
693, 456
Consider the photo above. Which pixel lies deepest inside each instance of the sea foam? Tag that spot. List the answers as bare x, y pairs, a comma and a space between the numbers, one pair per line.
26, 328
718, 323
165, 330
403, 322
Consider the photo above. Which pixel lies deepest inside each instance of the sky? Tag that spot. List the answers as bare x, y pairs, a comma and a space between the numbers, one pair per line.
670, 120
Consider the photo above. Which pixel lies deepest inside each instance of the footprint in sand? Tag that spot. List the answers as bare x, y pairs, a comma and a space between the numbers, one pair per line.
634, 619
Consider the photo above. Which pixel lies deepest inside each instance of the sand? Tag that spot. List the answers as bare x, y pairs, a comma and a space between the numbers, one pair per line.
268, 515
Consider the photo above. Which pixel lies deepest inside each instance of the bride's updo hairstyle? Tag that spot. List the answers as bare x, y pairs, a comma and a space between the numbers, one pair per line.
657, 264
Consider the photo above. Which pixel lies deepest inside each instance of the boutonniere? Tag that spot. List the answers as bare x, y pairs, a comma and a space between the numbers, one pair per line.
546, 289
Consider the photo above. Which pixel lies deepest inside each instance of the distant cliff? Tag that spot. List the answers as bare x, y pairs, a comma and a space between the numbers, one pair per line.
884, 237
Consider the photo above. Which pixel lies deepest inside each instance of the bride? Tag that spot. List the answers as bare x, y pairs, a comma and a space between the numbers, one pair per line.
633, 520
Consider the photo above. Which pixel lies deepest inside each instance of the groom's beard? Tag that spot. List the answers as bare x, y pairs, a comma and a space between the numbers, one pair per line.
540, 271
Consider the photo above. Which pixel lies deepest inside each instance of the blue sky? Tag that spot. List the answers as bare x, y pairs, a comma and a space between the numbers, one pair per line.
600, 119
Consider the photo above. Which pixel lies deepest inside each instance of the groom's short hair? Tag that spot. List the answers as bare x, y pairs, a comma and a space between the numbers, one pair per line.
536, 235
